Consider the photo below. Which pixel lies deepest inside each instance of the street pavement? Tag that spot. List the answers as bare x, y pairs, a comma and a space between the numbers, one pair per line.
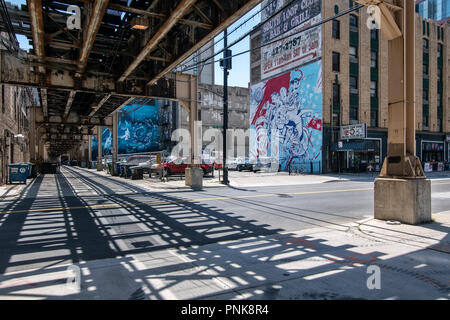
133, 241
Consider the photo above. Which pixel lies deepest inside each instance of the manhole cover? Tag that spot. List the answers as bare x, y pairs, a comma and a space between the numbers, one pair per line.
442, 247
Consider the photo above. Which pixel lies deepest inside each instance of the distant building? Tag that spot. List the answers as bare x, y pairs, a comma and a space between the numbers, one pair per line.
438, 10
15, 103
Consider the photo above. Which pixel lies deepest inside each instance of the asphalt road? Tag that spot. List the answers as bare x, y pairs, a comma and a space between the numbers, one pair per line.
79, 215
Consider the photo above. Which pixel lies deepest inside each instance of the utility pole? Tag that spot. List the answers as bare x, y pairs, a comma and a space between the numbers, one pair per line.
226, 64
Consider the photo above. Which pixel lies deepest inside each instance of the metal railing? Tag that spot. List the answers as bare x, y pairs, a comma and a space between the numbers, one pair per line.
297, 166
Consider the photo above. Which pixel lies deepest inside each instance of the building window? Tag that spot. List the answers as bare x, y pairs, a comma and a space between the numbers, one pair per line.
425, 122
374, 118
425, 96
439, 100
336, 62
439, 74
373, 59
353, 21
353, 52
374, 34
425, 43
439, 124
439, 50
353, 83
353, 114
336, 29
425, 69
373, 89
336, 94
336, 104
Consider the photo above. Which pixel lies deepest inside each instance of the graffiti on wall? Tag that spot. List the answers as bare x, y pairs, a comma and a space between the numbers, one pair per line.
138, 131
286, 117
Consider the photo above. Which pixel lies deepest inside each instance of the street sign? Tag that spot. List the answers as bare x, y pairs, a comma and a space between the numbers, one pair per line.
356, 131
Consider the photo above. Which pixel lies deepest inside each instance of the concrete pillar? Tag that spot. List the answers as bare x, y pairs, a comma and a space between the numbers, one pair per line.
115, 145
187, 89
100, 150
402, 192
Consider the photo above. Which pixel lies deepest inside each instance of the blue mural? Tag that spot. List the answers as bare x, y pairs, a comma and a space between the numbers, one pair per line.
286, 118
138, 131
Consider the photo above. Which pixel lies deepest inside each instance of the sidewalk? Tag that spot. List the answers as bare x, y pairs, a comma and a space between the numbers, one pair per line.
12, 190
329, 262
260, 179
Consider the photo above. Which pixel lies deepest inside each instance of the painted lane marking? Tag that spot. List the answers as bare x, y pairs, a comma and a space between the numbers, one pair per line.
265, 195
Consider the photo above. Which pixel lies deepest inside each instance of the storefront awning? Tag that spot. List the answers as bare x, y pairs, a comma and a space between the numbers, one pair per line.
361, 145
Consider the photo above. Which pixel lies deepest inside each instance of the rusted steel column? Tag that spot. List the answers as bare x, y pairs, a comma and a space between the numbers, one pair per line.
115, 146
95, 20
100, 150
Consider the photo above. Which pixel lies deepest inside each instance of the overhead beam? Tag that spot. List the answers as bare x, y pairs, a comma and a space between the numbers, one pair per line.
227, 22
175, 16
127, 102
37, 29
44, 102
69, 103
219, 6
95, 20
68, 46
161, 16
202, 14
100, 104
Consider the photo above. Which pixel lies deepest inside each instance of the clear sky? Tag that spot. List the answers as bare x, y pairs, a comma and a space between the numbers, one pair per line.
239, 76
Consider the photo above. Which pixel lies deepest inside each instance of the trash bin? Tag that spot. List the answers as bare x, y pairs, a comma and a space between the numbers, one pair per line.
122, 170
18, 172
93, 164
49, 167
127, 170
117, 172
109, 169
137, 173
33, 170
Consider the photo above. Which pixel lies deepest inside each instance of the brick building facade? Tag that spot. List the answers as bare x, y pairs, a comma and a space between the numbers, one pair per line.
354, 63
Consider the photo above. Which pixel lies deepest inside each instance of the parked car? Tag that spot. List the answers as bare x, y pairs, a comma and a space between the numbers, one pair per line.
266, 164
245, 165
177, 165
233, 163
143, 161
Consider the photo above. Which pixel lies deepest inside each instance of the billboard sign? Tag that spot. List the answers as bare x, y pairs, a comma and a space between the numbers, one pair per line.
294, 47
356, 131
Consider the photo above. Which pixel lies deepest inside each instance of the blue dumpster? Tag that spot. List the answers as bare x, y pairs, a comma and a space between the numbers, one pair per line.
117, 169
121, 170
18, 172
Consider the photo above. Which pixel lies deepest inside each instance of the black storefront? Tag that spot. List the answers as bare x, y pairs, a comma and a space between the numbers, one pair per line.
432, 149
354, 155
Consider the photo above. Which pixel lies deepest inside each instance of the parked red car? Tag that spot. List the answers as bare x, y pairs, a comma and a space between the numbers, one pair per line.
177, 165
